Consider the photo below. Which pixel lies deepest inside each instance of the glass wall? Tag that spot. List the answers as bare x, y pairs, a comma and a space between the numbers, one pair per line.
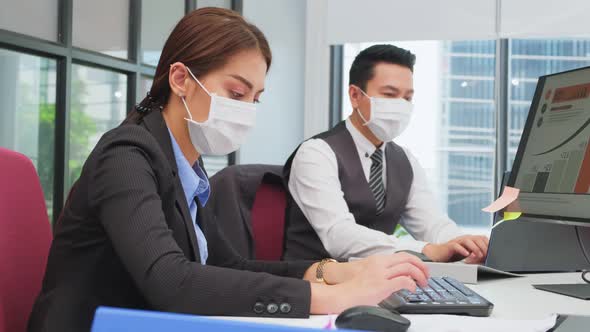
529, 59
71, 71
153, 36
102, 26
43, 13
27, 119
99, 103
452, 132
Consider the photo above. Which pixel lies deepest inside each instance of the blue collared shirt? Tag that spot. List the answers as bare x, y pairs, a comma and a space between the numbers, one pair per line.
194, 184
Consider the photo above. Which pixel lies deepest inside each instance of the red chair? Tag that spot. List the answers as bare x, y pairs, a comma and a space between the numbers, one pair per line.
268, 220
25, 237
247, 205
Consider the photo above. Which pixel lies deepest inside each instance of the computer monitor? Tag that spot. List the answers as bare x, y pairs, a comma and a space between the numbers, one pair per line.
552, 165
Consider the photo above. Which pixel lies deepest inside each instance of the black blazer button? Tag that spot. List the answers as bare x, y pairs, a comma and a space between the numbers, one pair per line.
285, 308
258, 307
272, 308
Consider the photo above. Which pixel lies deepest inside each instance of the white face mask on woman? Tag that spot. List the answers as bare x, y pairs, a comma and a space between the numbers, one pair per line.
226, 128
389, 116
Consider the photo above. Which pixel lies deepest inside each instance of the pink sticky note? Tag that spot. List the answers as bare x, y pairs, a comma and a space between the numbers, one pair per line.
509, 195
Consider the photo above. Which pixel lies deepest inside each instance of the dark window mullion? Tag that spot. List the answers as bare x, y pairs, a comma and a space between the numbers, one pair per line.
238, 5
62, 109
336, 81
190, 5
501, 99
134, 78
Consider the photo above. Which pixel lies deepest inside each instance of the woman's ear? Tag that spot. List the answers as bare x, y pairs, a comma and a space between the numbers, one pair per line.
177, 77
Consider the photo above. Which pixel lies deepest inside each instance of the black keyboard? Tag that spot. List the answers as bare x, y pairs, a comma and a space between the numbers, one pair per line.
443, 295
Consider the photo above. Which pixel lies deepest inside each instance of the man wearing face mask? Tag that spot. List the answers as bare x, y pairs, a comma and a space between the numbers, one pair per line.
352, 185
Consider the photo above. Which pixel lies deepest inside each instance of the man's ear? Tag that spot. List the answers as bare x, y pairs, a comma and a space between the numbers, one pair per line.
355, 95
177, 77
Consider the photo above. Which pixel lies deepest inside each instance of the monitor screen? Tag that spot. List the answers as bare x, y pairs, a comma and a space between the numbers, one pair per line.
552, 166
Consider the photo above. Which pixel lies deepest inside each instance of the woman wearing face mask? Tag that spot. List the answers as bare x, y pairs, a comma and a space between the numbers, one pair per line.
130, 235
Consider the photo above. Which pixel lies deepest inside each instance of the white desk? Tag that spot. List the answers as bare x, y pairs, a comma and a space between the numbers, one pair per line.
513, 298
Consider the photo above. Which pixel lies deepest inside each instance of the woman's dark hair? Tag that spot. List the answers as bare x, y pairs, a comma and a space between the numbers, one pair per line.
203, 40
362, 69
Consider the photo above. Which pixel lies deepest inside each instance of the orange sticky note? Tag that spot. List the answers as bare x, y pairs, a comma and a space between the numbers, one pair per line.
508, 196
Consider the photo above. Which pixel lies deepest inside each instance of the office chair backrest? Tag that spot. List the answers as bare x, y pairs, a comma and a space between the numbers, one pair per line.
268, 219
25, 237
247, 205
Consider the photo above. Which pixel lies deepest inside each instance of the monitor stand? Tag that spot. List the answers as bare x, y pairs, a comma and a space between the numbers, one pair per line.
529, 245
580, 291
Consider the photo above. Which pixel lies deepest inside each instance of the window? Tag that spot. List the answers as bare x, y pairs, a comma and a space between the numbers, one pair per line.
85, 68
529, 59
452, 131
146, 85
99, 103
102, 26
153, 36
214, 3
214, 164
43, 13
27, 119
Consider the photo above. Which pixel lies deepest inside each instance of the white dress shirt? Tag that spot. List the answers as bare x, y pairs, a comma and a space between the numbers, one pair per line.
315, 187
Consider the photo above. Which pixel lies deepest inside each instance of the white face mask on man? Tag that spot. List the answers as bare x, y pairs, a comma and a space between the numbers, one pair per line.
226, 128
389, 116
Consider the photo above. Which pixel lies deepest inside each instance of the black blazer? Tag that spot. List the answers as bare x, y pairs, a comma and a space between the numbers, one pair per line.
126, 240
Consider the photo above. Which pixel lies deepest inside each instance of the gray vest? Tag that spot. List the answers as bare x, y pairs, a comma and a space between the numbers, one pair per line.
302, 242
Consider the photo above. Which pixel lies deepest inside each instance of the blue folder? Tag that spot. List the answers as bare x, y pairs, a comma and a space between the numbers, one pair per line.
108, 319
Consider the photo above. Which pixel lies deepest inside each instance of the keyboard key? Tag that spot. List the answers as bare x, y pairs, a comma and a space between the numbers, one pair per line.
459, 296
445, 284
434, 296
474, 300
447, 296
442, 295
413, 298
428, 289
459, 286
435, 285
424, 298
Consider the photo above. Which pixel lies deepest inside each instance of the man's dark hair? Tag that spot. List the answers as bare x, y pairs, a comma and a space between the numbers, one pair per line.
362, 69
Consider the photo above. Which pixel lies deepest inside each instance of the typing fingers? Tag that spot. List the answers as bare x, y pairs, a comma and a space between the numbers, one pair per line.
472, 247
408, 270
482, 244
403, 257
403, 282
460, 249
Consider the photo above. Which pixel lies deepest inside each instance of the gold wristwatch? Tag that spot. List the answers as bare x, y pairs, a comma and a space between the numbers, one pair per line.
319, 272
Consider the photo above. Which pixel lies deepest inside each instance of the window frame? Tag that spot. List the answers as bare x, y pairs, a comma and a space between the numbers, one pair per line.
66, 56
501, 95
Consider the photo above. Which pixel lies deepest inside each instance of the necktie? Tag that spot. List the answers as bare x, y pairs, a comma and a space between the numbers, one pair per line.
376, 180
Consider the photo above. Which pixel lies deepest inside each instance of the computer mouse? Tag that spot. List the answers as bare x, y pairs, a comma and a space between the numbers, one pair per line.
370, 318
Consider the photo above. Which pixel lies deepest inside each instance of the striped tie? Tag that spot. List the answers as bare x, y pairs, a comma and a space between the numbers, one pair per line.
376, 180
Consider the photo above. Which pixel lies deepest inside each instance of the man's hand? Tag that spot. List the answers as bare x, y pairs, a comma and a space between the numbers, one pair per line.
472, 248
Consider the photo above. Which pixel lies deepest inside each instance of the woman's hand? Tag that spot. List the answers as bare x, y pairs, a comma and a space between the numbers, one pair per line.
369, 282
337, 273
